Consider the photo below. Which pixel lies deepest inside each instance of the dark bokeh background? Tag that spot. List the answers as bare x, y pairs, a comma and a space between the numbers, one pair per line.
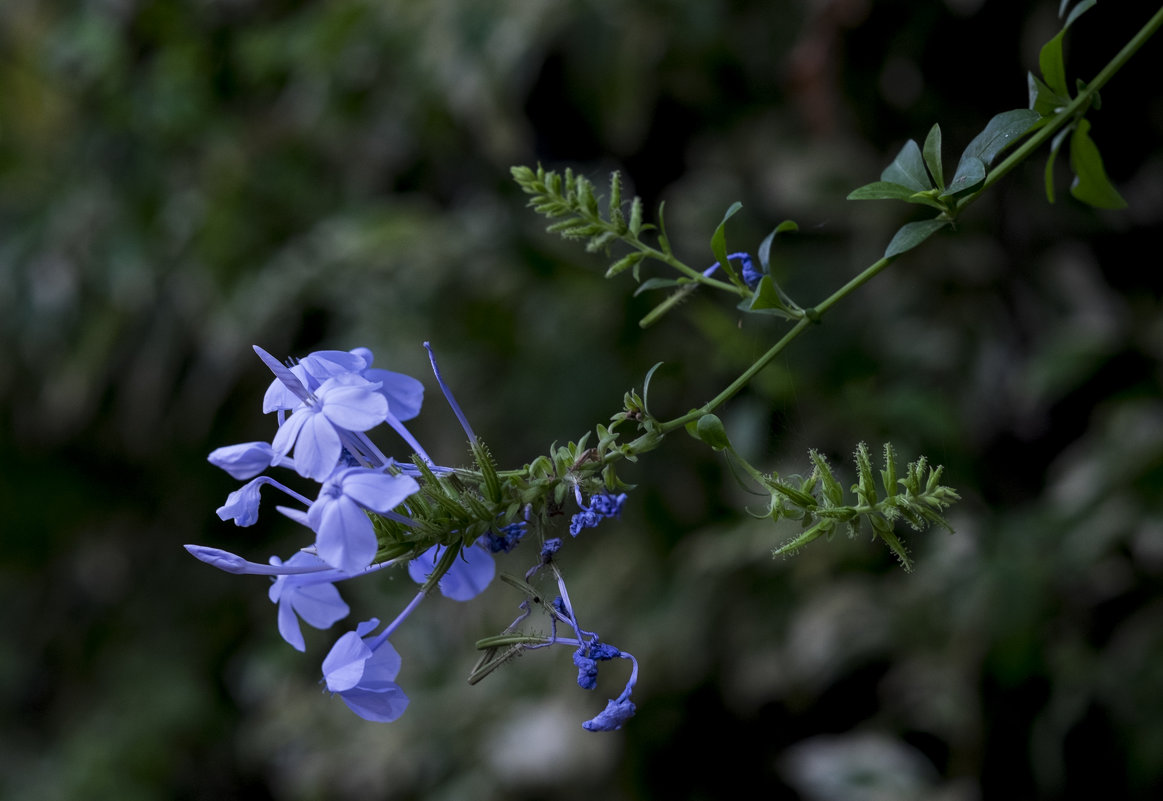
179, 181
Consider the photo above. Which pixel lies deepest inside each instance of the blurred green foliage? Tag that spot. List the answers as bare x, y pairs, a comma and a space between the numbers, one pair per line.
180, 180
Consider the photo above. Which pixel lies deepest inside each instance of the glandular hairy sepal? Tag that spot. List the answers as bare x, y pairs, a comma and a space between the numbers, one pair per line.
820, 504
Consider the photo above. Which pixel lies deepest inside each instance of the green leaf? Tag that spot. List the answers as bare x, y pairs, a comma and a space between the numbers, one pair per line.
1052, 66
1043, 99
932, 154
719, 243
1055, 144
663, 240
970, 175
882, 190
646, 388
1002, 131
1091, 184
908, 169
657, 283
770, 299
912, 234
710, 430
764, 252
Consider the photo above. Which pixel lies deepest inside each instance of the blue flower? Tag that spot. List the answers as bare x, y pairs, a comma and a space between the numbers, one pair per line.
506, 539
617, 711
242, 505
341, 404
312, 597
346, 538
243, 461
362, 672
751, 274
404, 393
466, 579
602, 506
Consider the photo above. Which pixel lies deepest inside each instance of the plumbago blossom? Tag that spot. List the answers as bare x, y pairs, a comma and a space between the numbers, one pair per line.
372, 512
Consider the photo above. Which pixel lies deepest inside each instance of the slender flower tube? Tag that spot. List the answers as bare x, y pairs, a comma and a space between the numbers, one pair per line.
448, 395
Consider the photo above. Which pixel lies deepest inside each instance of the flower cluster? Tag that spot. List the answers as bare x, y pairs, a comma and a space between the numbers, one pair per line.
325, 404
371, 512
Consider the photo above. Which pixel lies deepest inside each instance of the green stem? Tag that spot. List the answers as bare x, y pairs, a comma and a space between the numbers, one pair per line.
686, 270
1076, 107
1079, 104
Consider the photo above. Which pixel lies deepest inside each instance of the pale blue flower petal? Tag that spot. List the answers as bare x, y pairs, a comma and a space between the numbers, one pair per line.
382, 667
404, 393
377, 706
377, 491
343, 666
466, 579
352, 407
242, 505
324, 364
289, 627
317, 444
346, 537
279, 396
320, 605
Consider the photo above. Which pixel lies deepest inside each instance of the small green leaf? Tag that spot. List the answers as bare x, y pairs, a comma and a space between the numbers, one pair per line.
1043, 99
663, 240
1052, 66
881, 190
657, 283
970, 175
719, 243
646, 388
912, 234
764, 252
1091, 184
768, 298
932, 154
1000, 132
1055, 144
908, 169
710, 430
